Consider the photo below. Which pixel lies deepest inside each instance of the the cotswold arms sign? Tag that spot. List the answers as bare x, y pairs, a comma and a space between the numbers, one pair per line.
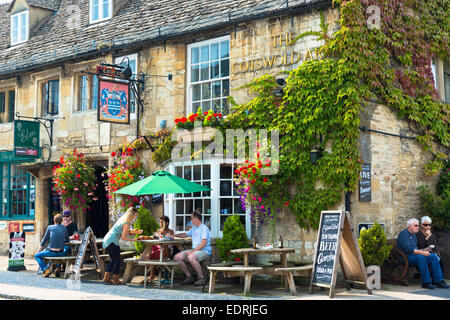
287, 58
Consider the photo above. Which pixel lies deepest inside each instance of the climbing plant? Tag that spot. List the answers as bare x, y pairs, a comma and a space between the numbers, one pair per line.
322, 101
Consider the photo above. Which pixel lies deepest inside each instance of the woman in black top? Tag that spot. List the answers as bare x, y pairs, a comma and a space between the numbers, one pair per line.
426, 239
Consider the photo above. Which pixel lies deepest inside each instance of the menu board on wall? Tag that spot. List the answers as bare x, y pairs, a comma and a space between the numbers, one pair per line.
365, 187
16, 251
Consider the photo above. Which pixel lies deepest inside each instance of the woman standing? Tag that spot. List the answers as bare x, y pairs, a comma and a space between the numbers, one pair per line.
120, 230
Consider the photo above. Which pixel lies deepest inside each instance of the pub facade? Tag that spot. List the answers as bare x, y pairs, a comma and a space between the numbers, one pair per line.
49, 50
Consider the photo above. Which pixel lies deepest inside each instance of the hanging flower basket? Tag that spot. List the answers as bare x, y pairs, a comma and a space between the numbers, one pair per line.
75, 182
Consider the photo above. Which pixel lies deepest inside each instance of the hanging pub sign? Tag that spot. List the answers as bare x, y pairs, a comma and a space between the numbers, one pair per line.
26, 138
114, 101
114, 72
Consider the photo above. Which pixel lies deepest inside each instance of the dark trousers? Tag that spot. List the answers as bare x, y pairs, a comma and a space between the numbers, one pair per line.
421, 263
114, 253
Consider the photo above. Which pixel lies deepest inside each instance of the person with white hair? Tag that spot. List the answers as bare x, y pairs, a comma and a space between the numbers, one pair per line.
420, 258
427, 240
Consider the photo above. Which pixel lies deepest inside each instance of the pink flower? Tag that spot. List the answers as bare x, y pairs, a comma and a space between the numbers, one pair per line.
262, 207
76, 189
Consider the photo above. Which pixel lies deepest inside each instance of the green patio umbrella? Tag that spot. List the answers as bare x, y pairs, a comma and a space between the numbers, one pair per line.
161, 182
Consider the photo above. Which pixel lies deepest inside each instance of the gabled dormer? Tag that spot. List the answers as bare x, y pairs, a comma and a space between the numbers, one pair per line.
29, 15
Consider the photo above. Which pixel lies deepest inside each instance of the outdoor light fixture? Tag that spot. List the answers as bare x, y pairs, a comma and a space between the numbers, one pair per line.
127, 72
315, 154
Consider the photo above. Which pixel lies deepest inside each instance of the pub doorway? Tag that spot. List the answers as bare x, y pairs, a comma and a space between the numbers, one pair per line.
98, 216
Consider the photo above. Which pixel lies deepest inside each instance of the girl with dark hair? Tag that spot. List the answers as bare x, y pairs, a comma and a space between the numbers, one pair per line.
155, 254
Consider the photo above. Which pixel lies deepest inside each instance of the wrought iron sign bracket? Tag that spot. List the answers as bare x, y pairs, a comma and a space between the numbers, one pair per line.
46, 122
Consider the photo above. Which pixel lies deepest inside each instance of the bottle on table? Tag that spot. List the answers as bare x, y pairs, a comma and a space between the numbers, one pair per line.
280, 242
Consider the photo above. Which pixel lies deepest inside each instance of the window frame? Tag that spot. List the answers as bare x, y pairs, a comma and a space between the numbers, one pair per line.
45, 107
169, 199
91, 93
190, 84
30, 186
8, 103
131, 57
21, 16
100, 11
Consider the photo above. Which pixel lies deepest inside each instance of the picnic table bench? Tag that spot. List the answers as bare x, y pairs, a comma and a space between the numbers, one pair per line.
289, 273
233, 271
68, 260
169, 265
123, 254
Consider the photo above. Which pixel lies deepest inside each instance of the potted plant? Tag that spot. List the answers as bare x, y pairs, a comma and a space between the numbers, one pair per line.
147, 223
374, 250
234, 237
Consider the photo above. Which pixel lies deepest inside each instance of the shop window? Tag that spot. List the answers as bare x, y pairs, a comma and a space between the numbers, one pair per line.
19, 27
229, 200
100, 10
18, 190
209, 75
7, 106
50, 97
132, 59
87, 92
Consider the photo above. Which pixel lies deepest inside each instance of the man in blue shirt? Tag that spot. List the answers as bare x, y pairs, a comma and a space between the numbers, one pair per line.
407, 242
57, 235
201, 250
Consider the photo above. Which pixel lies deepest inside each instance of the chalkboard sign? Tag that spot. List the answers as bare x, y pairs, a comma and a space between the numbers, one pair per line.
365, 187
336, 241
326, 251
88, 238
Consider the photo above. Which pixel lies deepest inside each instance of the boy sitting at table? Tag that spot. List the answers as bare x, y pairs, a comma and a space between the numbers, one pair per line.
156, 250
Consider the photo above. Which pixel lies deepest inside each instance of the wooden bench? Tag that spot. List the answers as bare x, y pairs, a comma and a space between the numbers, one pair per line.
123, 254
233, 271
169, 265
68, 260
289, 273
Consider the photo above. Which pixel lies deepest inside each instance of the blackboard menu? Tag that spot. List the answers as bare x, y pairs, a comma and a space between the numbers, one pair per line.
326, 248
365, 188
81, 253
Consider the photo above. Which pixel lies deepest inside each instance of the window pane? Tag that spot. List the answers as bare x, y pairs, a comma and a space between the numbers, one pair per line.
196, 93
216, 89
206, 91
206, 105
2, 102
225, 188
224, 49
207, 206
238, 206
83, 93
11, 105
225, 206
204, 72
197, 172
94, 10
207, 184
105, 8
94, 92
15, 29
225, 108
179, 223
189, 206
195, 106
206, 172
23, 26
214, 69
226, 172
195, 73
215, 51
225, 88
179, 207
217, 105
187, 173
179, 172
204, 55
194, 56
224, 68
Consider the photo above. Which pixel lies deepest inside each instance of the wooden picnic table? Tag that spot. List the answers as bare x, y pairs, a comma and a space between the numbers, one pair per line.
131, 268
283, 252
76, 243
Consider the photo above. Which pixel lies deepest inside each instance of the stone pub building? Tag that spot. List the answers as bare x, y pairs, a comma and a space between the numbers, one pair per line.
210, 48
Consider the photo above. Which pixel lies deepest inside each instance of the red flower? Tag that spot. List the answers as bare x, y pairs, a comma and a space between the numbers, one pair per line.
70, 171
265, 180
113, 154
209, 118
215, 114
61, 159
192, 118
177, 120
184, 119
206, 112
286, 203
253, 181
220, 115
78, 175
129, 150
254, 170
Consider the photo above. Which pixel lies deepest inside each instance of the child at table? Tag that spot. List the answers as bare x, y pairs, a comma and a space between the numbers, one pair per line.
156, 250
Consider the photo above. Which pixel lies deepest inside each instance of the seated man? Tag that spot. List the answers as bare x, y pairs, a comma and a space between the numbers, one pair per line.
407, 242
201, 249
72, 229
57, 235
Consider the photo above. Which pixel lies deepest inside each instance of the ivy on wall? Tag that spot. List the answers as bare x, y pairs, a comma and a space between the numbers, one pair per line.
323, 99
